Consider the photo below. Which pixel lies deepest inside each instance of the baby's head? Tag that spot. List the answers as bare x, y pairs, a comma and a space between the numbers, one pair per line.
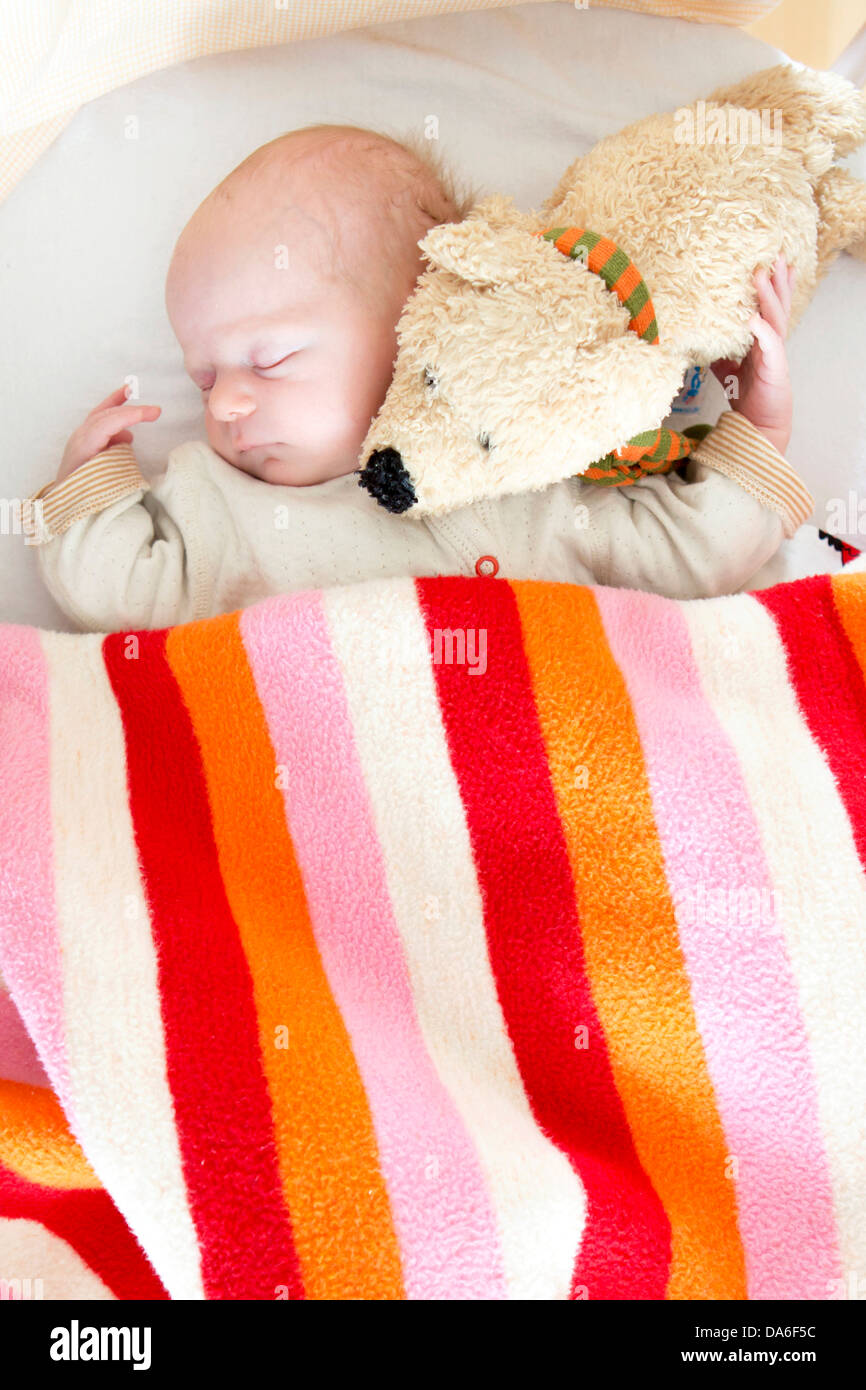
285, 288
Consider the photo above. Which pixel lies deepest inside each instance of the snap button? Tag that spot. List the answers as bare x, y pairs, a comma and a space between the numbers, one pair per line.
486, 565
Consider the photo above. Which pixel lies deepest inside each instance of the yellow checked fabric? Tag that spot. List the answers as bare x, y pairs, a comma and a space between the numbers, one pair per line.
54, 58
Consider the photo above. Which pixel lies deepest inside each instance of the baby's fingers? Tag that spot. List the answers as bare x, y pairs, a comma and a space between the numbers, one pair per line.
100, 428
116, 398
770, 303
783, 284
776, 293
119, 416
769, 348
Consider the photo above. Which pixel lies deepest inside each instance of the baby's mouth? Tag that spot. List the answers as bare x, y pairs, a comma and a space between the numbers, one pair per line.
250, 448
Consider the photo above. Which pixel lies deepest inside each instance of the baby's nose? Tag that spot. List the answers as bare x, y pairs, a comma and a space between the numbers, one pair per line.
229, 400
386, 479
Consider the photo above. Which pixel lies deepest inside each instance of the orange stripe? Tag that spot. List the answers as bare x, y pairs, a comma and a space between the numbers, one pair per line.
611, 479
849, 595
35, 1141
627, 282
601, 253
644, 318
637, 972
632, 453
326, 1145
568, 240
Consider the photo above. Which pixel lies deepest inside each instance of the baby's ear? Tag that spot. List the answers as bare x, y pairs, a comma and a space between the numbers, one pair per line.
479, 250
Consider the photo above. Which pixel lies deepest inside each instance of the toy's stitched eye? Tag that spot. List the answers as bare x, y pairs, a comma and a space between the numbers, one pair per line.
484, 441
430, 378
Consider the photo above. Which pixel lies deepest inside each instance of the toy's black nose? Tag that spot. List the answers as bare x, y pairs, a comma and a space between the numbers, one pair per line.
386, 479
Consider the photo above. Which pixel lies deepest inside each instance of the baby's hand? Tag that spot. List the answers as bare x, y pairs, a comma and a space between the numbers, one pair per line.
108, 423
763, 384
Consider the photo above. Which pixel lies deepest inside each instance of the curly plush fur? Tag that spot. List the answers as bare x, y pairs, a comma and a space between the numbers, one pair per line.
515, 365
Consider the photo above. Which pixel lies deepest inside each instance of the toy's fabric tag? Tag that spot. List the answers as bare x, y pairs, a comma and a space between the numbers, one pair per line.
701, 399
687, 401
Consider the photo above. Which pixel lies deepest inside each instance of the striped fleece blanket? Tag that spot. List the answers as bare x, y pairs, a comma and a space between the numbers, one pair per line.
439, 938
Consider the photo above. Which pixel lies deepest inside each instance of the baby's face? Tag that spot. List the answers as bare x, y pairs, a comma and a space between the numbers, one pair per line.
292, 361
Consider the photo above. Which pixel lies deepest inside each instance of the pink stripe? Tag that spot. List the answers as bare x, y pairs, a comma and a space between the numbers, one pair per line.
29, 938
19, 1060
442, 1211
743, 992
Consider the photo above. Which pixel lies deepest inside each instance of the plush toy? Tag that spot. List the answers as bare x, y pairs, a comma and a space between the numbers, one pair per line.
541, 345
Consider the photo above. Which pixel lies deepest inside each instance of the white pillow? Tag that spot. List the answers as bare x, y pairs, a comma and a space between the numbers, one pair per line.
517, 93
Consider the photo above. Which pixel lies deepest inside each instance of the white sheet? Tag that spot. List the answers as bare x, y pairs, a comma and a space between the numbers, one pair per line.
86, 237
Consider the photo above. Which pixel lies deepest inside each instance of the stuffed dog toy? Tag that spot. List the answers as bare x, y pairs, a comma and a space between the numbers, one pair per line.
543, 345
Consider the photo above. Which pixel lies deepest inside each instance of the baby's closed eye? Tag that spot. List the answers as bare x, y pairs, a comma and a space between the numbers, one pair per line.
205, 386
269, 366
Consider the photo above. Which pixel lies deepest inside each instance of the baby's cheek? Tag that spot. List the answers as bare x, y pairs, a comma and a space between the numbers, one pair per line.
215, 434
373, 389
333, 408
211, 428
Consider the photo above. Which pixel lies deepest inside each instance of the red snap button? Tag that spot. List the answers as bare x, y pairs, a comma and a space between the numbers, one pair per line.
486, 565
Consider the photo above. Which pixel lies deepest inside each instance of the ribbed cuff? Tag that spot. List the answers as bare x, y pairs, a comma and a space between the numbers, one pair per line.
91, 488
735, 447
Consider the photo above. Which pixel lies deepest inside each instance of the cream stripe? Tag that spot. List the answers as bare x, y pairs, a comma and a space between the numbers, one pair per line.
117, 458
736, 448
815, 870
111, 1002
90, 488
736, 432
84, 48
28, 1250
794, 509
539, 1201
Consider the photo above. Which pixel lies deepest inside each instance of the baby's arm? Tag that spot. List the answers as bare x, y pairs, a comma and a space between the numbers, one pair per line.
710, 531
109, 553
111, 549
700, 535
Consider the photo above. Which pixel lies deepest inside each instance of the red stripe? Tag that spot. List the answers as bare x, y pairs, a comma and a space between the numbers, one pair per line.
222, 1108
534, 940
828, 683
89, 1222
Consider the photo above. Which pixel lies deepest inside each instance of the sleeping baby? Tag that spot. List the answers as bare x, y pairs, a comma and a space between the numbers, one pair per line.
284, 292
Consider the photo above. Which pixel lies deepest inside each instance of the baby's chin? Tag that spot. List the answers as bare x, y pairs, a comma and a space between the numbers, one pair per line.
278, 467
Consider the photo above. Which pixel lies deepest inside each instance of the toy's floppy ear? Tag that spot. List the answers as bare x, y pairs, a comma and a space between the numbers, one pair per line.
476, 251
